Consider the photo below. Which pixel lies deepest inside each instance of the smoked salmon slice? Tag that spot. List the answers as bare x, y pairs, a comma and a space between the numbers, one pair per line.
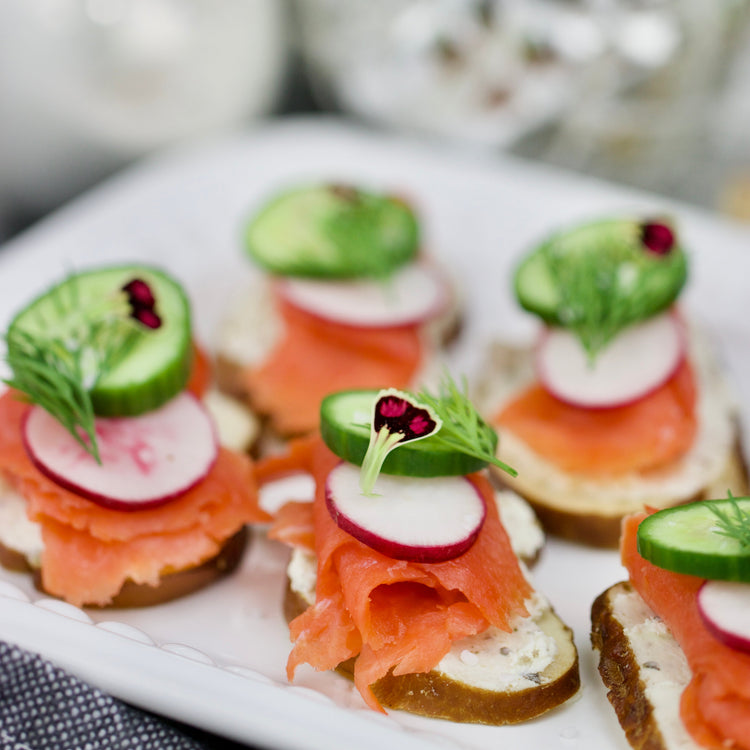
293, 525
315, 357
637, 437
89, 550
715, 706
393, 614
200, 372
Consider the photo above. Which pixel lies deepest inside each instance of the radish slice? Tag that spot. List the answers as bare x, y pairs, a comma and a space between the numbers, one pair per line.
414, 293
408, 518
636, 362
146, 460
725, 609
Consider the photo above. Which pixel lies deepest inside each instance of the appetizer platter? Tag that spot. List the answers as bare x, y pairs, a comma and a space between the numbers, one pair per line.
217, 657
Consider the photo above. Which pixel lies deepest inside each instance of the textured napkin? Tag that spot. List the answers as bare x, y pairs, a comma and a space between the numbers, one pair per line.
43, 707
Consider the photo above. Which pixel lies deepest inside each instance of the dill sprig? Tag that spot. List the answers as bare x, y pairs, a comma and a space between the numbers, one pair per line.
606, 281
56, 364
52, 377
376, 233
462, 428
733, 522
596, 299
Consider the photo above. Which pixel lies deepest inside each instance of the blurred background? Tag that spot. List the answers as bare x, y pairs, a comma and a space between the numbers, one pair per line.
650, 93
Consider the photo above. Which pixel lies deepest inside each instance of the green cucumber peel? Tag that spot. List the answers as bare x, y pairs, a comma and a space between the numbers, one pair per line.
598, 278
80, 349
332, 232
709, 539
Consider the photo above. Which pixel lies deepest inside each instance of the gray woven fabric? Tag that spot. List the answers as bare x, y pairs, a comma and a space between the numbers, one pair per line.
43, 707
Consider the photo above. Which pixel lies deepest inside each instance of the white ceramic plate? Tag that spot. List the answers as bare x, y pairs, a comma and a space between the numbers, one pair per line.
216, 659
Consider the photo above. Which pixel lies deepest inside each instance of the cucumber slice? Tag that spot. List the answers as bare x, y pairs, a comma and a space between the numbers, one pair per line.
535, 289
345, 428
89, 313
688, 539
328, 231
599, 270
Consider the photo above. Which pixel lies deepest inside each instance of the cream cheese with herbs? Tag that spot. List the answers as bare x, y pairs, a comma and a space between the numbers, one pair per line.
17, 532
663, 668
504, 661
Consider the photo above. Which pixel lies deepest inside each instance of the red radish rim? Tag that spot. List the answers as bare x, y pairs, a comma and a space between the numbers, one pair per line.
106, 501
682, 334
736, 642
398, 550
443, 302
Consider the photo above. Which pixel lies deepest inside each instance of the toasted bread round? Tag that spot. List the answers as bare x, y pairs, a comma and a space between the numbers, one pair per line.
14, 560
178, 583
491, 678
589, 509
643, 669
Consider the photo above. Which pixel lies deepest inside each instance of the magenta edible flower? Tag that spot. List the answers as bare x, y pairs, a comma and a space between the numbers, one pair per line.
147, 318
399, 413
657, 237
392, 407
139, 293
142, 302
419, 424
397, 418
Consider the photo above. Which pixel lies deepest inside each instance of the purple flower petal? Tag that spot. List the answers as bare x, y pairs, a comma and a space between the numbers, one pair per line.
399, 415
147, 318
139, 294
391, 407
657, 237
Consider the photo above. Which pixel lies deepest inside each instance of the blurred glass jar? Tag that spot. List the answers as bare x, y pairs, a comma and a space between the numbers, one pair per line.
88, 85
607, 86
481, 71
651, 103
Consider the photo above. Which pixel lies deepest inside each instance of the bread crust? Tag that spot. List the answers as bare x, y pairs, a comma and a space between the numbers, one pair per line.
176, 584
172, 585
621, 674
228, 377
13, 560
649, 716
603, 529
436, 695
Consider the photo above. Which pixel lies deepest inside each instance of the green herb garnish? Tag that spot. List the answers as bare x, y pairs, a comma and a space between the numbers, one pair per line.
598, 278
376, 233
463, 429
50, 376
733, 523
447, 418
